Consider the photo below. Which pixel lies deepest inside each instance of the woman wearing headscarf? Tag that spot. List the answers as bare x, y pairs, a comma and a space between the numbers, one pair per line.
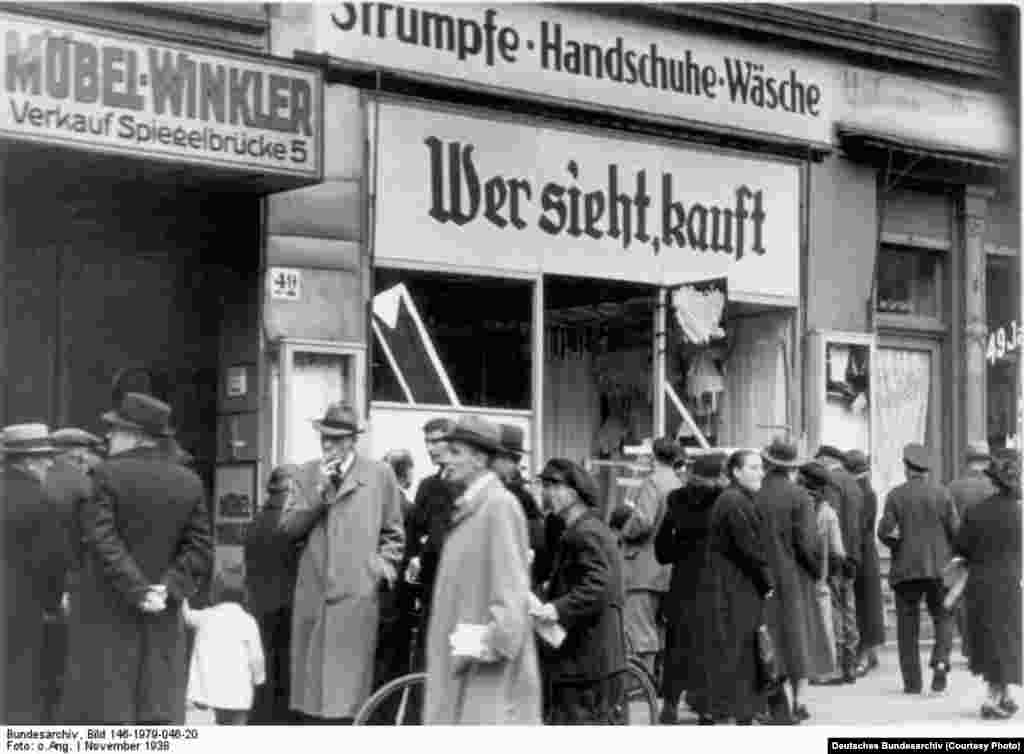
682, 542
741, 583
989, 541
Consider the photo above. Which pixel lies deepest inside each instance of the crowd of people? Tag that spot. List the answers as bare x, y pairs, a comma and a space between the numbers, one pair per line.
521, 600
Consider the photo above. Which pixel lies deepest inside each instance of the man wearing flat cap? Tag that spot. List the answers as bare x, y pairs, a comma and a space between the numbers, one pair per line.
271, 565
67, 487
585, 596
973, 487
29, 592
646, 579
481, 658
147, 548
845, 496
867, 586
919, 525
348, 508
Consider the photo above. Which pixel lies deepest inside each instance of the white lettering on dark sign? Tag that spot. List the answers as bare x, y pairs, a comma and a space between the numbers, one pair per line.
70, 84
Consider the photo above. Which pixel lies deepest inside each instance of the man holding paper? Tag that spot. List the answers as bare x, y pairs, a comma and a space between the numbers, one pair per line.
585, 598
481, 657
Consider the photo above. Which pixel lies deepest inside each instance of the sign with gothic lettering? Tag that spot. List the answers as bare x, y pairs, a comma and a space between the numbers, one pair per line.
74, 86
574, 55
501, 196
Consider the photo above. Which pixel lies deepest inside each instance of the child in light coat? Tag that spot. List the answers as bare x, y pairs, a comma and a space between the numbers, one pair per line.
227, 657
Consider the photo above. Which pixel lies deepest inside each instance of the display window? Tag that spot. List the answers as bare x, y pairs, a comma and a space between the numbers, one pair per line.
1003, 348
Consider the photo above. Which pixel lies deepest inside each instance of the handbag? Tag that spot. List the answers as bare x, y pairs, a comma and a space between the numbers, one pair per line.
768, 677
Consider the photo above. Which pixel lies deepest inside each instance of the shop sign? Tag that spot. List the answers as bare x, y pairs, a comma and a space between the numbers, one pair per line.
1003, 341
74, 86
577, 56
502, 196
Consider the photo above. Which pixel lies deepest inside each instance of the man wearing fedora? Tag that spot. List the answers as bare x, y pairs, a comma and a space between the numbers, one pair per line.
585, 596
790, 541
348, 509
974, 486
845, 496
147, 548
506, 466
31, 539
919, 525
481, 657
67, 487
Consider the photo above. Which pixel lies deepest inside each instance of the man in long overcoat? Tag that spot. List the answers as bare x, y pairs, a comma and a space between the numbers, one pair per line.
919, 525
646, 579
30, 535
790, 541
973, 487
585, 596
67, 487
846, 498
867, 587
349, 509
484, 582
147, 547
271, 565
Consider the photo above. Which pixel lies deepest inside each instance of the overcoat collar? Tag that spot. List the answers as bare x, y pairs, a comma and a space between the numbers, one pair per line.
358, 475
467, 503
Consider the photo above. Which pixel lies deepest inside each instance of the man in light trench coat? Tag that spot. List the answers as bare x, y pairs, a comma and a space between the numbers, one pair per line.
490, 674
349, 510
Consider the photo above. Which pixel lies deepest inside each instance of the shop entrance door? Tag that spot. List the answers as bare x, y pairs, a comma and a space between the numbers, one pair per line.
908, 407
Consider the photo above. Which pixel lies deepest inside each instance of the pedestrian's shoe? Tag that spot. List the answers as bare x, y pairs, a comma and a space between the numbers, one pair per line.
669, 715
991, 711
939, 678
833, 681
911, 689
1007, 705
800, 712
705, 719
849, 677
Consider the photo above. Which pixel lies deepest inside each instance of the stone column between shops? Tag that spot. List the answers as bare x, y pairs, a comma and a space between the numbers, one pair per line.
975, 213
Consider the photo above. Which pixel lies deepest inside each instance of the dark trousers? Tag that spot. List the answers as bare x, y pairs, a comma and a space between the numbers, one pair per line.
585, 703
908, 626
55, 647
271, 703
231, 716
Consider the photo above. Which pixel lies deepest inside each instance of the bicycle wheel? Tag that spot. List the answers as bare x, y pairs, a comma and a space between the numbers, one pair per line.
398, 702
639, 698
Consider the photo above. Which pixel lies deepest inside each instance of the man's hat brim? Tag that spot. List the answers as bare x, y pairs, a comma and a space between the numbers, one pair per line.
336, 430
114, 419
481, 442
794, 463
28, 449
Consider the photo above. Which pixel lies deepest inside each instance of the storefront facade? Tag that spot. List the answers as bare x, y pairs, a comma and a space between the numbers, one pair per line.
536, 213
138, 147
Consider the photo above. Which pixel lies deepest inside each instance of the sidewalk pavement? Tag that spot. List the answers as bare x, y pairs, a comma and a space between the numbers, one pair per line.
875, 700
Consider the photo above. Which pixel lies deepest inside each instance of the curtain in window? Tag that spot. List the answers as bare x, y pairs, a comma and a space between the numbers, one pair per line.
902, 394
572, 407
755, 402
316, 381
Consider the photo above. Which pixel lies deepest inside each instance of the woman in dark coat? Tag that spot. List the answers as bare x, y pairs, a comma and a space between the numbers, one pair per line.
682, 542
791, 546
989, 540
867, 587
741, 584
